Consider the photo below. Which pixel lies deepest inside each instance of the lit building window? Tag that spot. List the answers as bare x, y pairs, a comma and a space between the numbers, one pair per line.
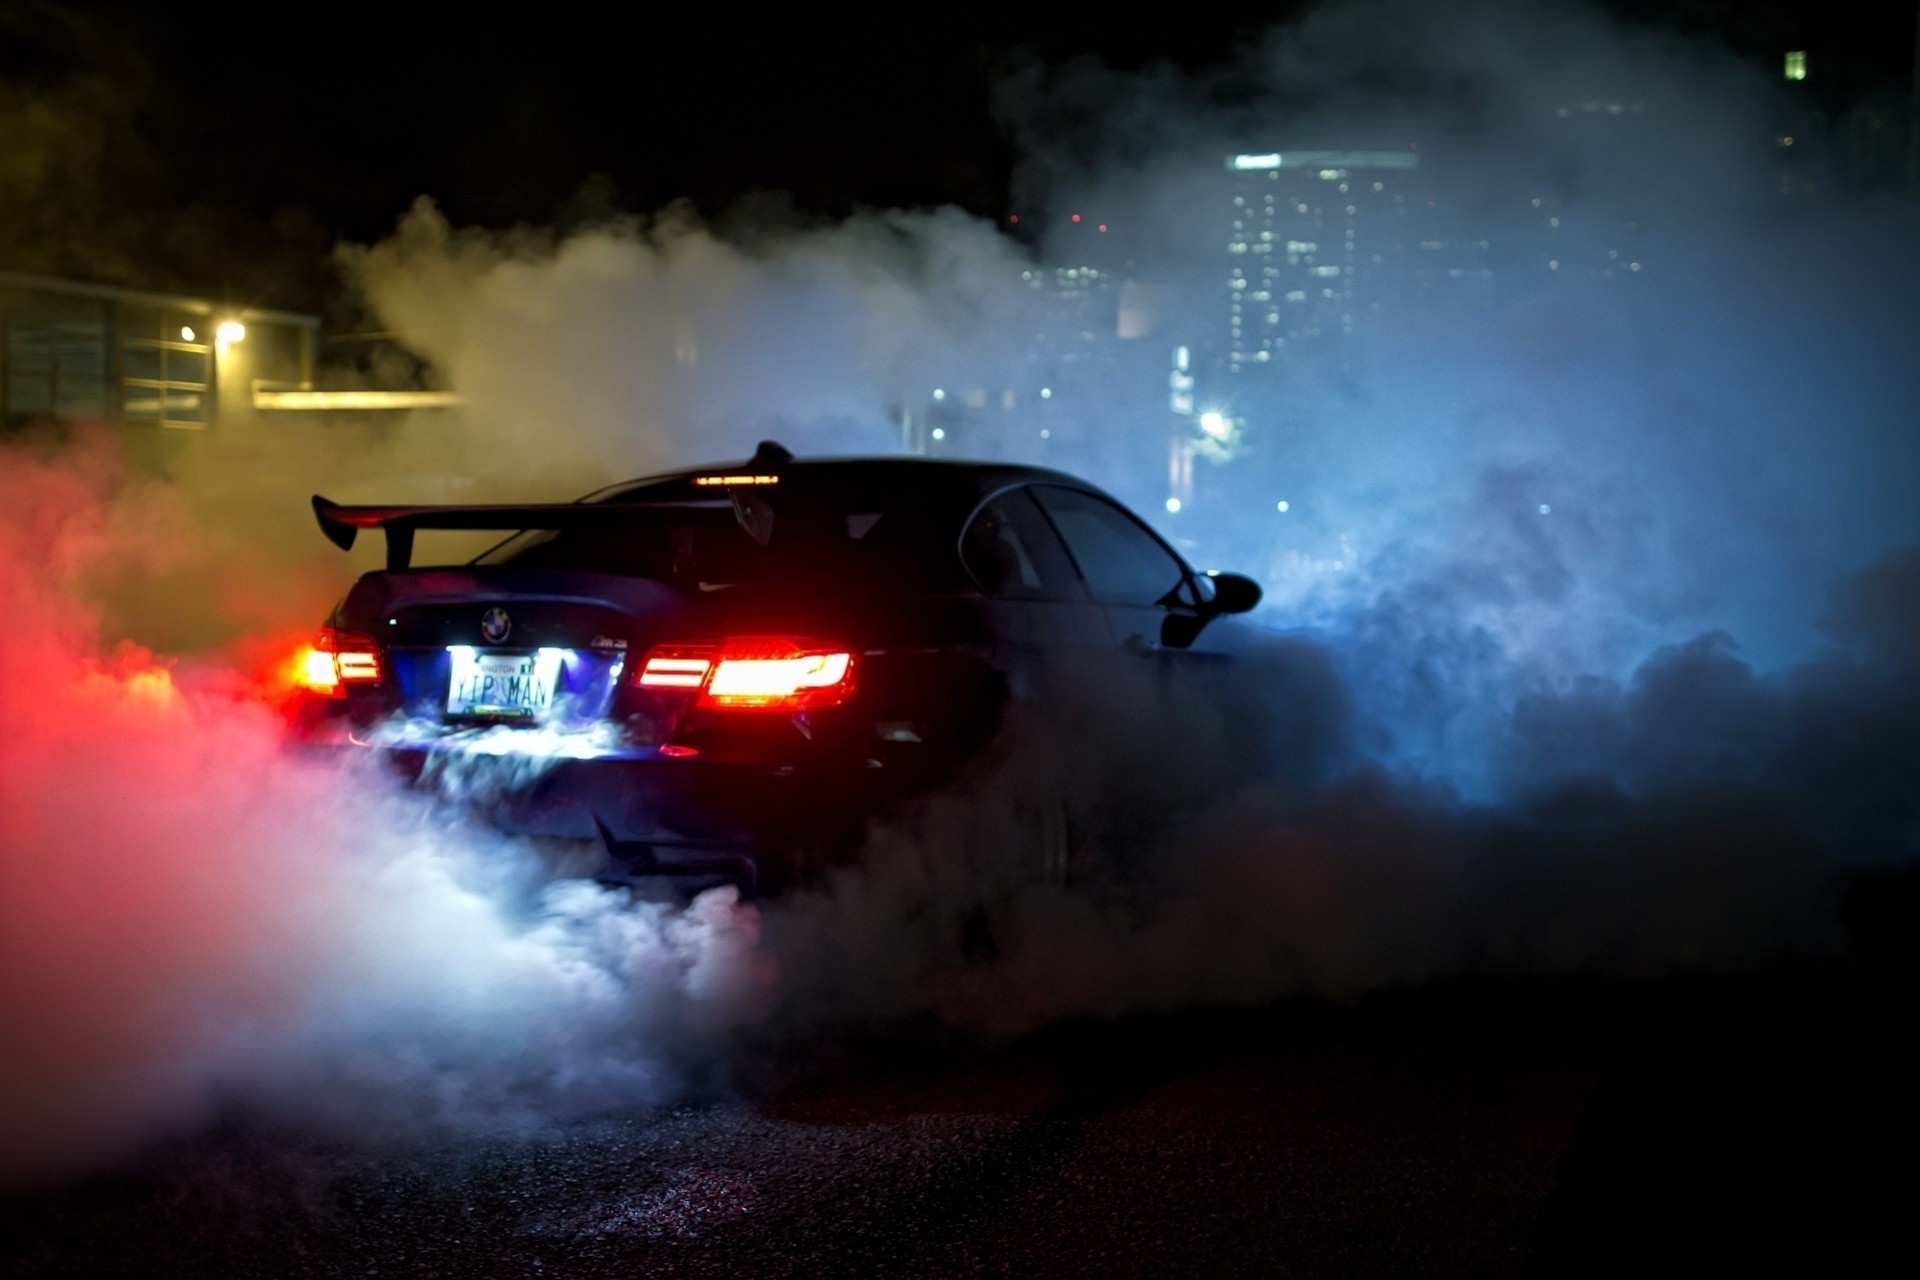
1796, 67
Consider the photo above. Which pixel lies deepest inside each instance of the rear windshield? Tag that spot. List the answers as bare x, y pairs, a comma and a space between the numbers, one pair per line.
866, 536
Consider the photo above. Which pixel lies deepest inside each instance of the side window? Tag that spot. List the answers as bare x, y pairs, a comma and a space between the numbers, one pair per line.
1012, 551
1123, 563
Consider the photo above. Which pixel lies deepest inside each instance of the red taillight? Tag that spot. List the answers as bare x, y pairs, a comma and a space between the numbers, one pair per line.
780, 680
313, 670
336, 659
756, 673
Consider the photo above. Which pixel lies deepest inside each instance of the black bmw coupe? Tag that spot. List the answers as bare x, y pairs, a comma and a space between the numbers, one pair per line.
721, 673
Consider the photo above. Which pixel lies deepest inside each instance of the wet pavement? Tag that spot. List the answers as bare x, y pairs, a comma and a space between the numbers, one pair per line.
1732, 1125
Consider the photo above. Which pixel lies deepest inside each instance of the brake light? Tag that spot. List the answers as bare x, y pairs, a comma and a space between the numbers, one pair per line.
757, 673
775, 681
336, 659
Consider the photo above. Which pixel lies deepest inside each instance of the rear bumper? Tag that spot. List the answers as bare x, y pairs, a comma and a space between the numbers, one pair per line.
688, 823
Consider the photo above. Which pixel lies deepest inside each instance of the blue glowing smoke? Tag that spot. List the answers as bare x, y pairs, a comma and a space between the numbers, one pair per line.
1505, 493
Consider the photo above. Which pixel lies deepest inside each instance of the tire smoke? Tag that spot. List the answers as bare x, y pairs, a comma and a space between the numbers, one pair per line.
1601, 611
193, 917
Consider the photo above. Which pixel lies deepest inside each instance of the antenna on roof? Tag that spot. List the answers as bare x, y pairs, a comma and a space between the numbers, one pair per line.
770, 453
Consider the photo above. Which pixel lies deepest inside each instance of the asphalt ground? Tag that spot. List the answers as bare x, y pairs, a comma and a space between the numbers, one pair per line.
1738, 1124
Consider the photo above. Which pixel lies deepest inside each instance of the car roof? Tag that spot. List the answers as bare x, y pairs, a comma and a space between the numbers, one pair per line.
950, 476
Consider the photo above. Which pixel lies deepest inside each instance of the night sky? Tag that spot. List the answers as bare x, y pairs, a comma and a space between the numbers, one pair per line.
347, 113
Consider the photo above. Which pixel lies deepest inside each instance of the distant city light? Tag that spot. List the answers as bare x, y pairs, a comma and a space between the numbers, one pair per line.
1270, 160
1046, 393
1546, 508
1013, 218
1103, 226
938, 394
1283, 505
1045, 434
1797, 65
186, 334
1173, 506
1076, 217
230, 332
1216, 424
939, 433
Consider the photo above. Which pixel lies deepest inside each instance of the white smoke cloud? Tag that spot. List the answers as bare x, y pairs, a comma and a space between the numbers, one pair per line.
643, 344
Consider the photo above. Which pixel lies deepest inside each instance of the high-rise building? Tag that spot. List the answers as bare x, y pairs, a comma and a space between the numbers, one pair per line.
1081, 368
1310, 232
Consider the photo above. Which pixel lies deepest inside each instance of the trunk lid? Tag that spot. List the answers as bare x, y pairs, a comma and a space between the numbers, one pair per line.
480, 646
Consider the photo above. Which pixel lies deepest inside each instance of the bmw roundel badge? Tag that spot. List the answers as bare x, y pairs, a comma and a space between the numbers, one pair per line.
494, 625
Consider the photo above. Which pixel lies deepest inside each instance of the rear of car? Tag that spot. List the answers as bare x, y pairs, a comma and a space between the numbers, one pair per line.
718, 674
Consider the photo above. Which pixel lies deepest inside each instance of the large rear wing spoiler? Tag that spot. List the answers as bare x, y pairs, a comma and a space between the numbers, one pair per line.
731, 486
342, 525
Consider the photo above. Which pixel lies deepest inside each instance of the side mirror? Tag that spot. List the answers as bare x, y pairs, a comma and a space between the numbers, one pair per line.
1232, 592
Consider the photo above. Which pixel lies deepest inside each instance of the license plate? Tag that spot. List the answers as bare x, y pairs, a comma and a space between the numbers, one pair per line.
514, 686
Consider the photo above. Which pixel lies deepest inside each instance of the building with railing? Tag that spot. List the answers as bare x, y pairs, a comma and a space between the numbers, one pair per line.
74, 352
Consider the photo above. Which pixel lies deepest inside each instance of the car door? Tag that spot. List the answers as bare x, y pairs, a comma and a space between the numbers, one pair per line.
1037, 605
1150, 597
